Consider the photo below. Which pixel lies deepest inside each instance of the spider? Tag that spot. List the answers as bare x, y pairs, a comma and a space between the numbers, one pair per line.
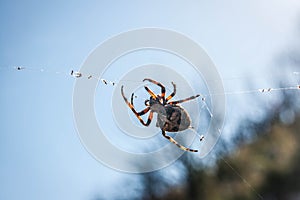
171, 117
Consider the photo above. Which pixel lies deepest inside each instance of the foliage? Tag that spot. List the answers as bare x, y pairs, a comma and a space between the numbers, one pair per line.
266, 168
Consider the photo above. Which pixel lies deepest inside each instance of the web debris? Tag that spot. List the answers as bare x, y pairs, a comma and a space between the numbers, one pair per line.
78, 74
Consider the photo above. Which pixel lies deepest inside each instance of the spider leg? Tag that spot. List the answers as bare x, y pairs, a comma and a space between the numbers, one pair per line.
183, 100
151, 92
138, 114
143, 111
173, 93
163, 89
147, 102
176, 143
131, 99
149, 118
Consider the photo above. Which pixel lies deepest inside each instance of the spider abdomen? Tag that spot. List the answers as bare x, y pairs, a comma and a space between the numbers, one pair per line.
173, 118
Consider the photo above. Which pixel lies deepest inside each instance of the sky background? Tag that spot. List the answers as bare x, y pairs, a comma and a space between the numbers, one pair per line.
41, 156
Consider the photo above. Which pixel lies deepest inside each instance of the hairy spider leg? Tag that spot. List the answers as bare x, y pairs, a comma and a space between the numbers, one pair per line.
138, 114
172, 94
176, 143
183, 100
163, 89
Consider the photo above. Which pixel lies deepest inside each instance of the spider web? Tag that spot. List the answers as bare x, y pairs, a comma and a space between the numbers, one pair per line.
106, 86
291, 83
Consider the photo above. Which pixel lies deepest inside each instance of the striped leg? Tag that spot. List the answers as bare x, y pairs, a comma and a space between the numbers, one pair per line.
151, 92
131, 99
177, 144
138, 114
184, 100
163, 89
173, 93
146, 104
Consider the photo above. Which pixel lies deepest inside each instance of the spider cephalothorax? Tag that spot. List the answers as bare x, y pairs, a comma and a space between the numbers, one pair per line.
170, 116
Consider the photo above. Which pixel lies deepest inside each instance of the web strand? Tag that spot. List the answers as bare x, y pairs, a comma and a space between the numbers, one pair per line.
242, 178
77, 74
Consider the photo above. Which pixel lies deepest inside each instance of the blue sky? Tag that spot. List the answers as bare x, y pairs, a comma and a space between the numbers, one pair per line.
40, 153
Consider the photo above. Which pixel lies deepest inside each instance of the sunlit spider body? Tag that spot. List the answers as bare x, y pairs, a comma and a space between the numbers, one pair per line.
171, 117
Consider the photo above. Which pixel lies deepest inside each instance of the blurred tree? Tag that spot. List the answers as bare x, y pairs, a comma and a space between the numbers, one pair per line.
267, 168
